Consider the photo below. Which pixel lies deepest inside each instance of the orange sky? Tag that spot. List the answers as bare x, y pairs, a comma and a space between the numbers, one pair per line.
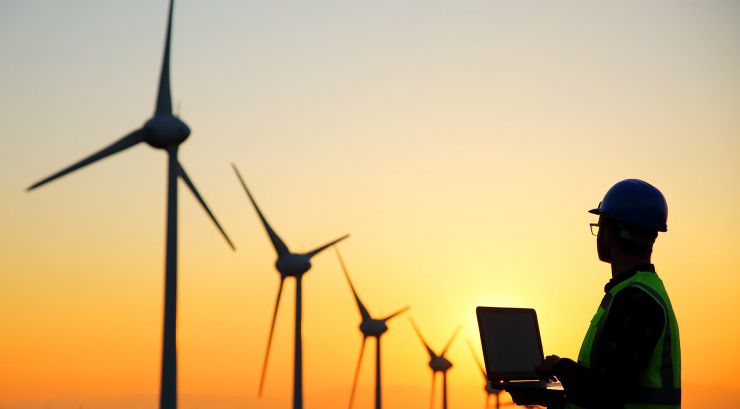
460, 146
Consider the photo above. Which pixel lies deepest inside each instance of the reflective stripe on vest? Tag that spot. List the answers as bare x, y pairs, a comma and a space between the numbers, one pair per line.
659, 385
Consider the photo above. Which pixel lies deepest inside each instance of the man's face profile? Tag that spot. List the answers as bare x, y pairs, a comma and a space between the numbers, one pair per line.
603, 242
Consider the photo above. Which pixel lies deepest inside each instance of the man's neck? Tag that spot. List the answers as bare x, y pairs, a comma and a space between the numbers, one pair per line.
626, 262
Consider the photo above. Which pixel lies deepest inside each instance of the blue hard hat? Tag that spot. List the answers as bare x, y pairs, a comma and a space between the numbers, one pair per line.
637, 203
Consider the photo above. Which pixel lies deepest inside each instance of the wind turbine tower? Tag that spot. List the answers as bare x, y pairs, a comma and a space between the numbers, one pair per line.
162, 131
288, 264
490, 391
370, 328
438, 363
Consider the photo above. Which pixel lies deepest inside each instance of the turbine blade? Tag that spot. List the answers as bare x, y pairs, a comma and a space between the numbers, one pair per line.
450, 341
357, 373
402, 310
431, 353
325, 246
434, 382
164, 96
126, 142
477, 361
363, 311
277, 243
269, 338
186, 179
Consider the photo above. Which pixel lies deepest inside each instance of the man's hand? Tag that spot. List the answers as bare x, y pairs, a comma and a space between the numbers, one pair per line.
524, 396
546, 369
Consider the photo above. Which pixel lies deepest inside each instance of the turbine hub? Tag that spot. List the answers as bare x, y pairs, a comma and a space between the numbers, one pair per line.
439, 363
293, 265
491, 389
163, 131
373, 328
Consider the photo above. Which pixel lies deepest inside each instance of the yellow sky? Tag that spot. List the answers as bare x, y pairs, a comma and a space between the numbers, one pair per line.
460, 146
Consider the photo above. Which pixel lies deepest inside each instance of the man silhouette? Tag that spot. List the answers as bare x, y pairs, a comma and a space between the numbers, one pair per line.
630, 356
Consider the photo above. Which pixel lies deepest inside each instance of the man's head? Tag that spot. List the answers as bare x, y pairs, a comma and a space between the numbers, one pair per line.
630, 217
615, 236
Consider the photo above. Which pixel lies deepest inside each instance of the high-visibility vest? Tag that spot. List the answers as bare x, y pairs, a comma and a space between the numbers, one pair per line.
659, 385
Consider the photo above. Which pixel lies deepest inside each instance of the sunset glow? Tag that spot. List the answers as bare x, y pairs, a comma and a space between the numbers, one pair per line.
459, 143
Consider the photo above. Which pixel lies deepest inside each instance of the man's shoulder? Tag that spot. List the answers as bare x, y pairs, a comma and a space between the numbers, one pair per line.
635, 302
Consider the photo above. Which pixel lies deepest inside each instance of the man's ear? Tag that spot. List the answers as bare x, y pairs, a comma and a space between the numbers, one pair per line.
629, 236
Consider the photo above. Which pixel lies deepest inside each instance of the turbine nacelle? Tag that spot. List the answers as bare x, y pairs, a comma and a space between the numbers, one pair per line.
164, 130
440, 364
293, 265
373, 328
491, 390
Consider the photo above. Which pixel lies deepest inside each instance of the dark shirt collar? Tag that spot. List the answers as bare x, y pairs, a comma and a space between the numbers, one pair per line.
627, 274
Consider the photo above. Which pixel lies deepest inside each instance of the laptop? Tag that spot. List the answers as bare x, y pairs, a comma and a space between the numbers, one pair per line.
512, 347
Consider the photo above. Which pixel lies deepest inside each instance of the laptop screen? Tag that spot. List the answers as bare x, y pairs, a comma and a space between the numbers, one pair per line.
511, 342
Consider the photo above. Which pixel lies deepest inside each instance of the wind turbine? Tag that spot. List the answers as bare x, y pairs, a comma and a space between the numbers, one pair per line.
370, 327
295, 265
438, 363
490, 391
162, 131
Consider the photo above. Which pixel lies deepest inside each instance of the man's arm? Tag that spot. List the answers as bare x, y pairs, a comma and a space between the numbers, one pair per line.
620, 353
